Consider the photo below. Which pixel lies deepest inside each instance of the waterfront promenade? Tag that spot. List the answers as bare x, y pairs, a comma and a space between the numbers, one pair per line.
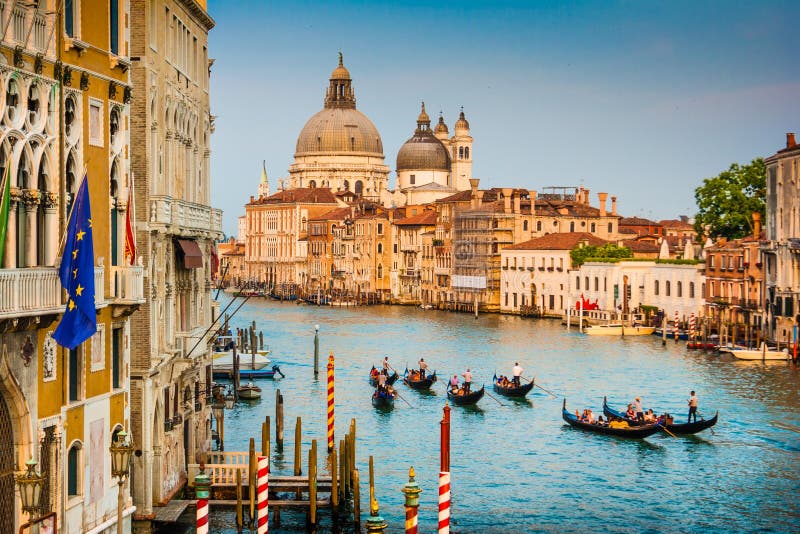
518, 468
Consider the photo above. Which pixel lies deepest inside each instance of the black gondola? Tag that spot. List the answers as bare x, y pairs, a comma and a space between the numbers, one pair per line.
465, 400
512, 391
383, 399
424, 383
373, 378
632, 432
679, 428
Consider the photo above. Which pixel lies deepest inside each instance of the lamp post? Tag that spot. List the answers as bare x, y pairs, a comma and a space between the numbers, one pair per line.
120, 466
30, 488
218, 410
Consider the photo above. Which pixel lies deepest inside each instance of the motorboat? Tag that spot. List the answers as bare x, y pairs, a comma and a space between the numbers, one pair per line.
762, 353
618, 329
223, 361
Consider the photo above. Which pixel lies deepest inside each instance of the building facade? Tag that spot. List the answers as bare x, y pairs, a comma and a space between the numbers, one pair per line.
176, 229
782, 245
64, 116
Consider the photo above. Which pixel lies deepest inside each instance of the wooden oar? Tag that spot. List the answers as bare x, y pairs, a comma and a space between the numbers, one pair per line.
662, 427
703, 419
540, 387
492, 396
404, 400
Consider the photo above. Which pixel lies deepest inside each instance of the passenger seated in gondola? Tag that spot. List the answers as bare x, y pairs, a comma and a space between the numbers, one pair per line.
649, 416
454, 383
589, 416
374, 373
600, 421
630, 414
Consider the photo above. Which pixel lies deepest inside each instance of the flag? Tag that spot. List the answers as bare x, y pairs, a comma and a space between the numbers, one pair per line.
130, 237
214, 260
77, 275
5, 197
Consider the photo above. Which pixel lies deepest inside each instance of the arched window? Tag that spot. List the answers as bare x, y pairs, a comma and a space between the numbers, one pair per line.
667, 288
380, 248
346, 185
466, 152
680, 289
380, 271
610, 228
74, 470
592, 228
586, 283
312, 184
538, 226
577, 282
655, 288
572, 226
359, 188
461, 152
524, 226
596, 284
691, 290
114, 191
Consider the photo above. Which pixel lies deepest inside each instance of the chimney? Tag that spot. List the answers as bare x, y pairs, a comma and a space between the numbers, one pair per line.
790, 142
602, 197
478, 199
507, 199
756, 224
586, 196
517, 198
252, 199
613, 205
532, 194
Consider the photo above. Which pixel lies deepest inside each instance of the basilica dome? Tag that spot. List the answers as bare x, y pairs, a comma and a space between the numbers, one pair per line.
423, 150
339, 128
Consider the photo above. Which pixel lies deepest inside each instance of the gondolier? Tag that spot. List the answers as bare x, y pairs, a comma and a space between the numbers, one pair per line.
467, 380
386, 365
637, 408
517, 372
692, 408
423, 368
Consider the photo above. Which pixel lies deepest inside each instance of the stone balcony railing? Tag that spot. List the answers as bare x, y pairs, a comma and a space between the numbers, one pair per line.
127, 285
185, 218
32, 291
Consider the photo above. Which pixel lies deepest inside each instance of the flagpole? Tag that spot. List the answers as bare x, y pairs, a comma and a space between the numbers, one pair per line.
132, 214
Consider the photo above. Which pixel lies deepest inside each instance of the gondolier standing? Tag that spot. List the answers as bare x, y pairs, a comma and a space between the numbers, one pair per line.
692, 408
467, 380
637, 407
386, 365
423, 367
517, 372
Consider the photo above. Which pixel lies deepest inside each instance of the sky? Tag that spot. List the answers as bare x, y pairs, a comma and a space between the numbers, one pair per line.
642, 100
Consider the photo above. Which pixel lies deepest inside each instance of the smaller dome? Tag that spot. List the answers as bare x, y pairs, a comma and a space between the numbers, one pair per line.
441, 127
423, 151
461, 123
340, 73
423, 116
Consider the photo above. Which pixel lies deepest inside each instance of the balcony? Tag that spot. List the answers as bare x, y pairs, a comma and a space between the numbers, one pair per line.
127, 285
33, 291
181, 217
410, 273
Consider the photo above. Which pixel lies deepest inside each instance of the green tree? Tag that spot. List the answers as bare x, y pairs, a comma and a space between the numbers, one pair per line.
726, 202
610, 250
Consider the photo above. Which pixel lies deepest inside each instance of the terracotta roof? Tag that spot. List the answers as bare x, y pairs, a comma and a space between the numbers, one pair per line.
554, 208
461, 196
559, 241
641, 246
303, 195
636, 221
422, 219
338, 214
674, 223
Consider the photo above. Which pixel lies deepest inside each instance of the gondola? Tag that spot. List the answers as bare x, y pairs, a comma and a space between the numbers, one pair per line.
373, 378
637, 432
424, 383
383, 399
679, 428
465, 400
513, 391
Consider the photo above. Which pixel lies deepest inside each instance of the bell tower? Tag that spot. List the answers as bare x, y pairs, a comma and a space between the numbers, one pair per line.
461, 155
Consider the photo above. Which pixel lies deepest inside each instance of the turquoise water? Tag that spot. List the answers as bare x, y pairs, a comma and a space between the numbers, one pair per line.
518, 468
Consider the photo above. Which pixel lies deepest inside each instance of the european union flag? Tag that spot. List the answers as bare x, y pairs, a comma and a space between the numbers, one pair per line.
77, 275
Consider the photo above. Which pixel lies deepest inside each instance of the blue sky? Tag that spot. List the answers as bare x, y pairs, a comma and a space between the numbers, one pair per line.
638, 99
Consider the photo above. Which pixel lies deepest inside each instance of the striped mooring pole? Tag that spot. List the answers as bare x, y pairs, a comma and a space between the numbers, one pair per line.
444, 474
262, 480
411, 491
202, 490
677, 322
331, 417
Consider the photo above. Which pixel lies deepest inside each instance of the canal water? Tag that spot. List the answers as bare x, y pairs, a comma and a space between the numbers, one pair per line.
517, 467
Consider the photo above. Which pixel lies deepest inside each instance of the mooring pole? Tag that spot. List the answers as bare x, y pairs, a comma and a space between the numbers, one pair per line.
316, 350
331, 403
444, 474
411, 490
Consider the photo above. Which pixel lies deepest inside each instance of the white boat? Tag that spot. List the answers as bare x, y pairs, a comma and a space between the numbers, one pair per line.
223, 361
249, 391
617, 329
763, 353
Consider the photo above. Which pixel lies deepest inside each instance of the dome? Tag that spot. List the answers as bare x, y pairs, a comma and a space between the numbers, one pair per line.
423, 151
461, 123
339, 130
340, 73
441, 127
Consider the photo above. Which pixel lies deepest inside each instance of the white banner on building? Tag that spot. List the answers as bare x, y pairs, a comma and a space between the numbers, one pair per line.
468, 282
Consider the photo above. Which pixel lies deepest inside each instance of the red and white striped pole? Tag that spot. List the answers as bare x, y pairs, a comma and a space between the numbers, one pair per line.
263, 495
202, 489
677, 323
331, 417
411, 491
444, 474
692, 324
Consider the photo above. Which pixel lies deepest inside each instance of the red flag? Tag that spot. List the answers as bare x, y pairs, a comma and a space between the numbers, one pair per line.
214, 260
130, 237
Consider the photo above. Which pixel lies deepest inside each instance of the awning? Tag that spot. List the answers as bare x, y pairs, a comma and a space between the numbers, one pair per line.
192, 257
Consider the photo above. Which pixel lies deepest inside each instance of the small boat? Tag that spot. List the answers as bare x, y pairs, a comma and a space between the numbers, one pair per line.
249, 391
682, 334
383, 399
248, 373
465, 399
763, 353
511, 391
636, 432
412, 380
373, 377
223, 361
679, 428
618, 329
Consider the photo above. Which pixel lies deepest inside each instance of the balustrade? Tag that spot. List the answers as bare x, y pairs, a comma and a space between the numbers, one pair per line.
37, 291
185, 215
127, 284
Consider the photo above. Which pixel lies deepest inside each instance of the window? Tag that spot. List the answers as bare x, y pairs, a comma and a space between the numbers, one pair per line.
74, 470
116, 358
380, 248
96, 129
592, 227
596, 284
75, 373
667, 288
610, 228
466, 152
655, 288
113, 23
577, 282
710, 261
380, 271
680, 289
395, 248
572, 226
461, 152
524, 226
691, 290
312, 184
70, 7
586, 283
412, 179
359, 187
538, 226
